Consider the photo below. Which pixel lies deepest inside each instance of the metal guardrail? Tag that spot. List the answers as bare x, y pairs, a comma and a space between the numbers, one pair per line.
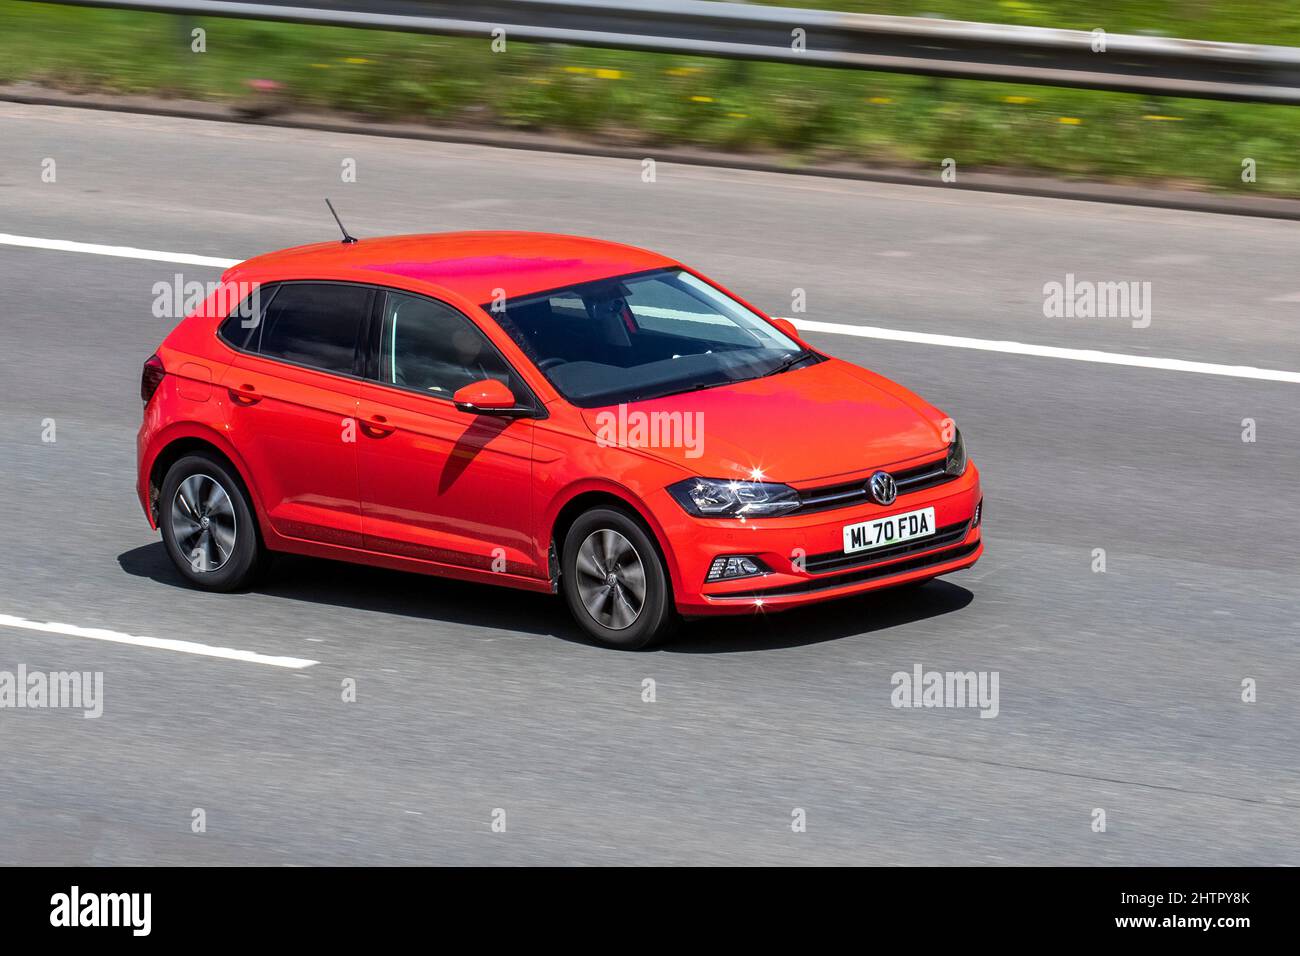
942, 48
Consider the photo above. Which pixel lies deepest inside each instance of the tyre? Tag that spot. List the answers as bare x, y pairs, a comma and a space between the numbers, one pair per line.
207, 524
614, 580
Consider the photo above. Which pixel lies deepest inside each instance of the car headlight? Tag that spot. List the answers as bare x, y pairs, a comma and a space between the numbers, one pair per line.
723, 498
956, 463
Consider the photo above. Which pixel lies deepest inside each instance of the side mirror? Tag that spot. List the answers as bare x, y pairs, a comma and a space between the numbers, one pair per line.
485, 397
787, 327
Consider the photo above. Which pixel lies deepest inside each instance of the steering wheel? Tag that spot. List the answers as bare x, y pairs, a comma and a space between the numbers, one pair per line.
551, 362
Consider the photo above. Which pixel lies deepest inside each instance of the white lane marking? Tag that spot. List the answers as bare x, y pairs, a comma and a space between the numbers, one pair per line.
157, 643
124, 252
1049, 351
834, 328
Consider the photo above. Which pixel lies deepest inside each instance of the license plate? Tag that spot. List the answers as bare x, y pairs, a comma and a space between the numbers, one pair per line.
895, 529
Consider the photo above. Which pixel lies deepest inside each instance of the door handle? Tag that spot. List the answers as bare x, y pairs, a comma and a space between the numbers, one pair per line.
377, 427
244, 395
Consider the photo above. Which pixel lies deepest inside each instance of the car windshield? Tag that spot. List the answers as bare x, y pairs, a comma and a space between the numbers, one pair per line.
643, 336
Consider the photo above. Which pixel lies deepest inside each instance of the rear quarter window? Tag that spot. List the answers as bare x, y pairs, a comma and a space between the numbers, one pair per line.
239, 328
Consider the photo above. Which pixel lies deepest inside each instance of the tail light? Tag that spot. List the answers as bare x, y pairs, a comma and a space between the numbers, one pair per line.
151, 377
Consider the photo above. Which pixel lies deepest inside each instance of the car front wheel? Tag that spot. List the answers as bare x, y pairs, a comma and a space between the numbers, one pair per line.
615, 582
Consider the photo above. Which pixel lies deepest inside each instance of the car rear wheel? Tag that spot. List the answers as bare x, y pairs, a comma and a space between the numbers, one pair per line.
207, 524
614, 581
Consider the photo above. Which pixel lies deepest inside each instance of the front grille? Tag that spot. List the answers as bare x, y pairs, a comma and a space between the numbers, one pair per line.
839, 561
849, 493
862, 574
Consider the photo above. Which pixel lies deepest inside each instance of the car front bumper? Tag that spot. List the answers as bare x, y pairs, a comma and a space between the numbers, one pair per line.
805, 552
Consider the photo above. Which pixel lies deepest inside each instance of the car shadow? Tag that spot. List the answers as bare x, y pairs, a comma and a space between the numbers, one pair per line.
340, 584
855, 616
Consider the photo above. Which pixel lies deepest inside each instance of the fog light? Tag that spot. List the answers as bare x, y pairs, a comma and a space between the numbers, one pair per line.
979, 514
728, 566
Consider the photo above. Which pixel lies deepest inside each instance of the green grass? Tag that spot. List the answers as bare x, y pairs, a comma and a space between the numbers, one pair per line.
1235, 21
797, 113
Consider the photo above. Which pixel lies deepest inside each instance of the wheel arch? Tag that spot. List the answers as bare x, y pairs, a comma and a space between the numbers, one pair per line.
603, 495
188, 442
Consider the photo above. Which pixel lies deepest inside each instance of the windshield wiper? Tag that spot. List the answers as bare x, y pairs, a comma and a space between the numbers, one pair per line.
786, 363
695, 387
789, 362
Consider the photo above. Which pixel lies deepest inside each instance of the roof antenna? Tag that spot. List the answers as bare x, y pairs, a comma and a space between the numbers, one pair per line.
342, 228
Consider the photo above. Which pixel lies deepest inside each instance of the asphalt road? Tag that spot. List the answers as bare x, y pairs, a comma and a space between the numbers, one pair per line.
1119, 690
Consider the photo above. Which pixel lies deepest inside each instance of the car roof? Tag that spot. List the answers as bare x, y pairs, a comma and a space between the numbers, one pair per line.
472, 264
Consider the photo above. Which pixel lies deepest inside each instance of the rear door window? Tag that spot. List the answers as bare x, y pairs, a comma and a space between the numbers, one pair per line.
317, 324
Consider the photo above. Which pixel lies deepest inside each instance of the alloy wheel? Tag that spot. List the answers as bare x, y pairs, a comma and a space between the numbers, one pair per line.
611, 579
203, 522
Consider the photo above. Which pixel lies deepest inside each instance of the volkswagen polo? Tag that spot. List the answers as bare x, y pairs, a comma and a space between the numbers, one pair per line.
544, 412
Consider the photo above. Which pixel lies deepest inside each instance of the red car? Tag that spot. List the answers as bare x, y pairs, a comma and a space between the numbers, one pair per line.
546, 412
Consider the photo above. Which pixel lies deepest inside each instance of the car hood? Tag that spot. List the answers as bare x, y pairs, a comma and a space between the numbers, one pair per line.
815, 422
